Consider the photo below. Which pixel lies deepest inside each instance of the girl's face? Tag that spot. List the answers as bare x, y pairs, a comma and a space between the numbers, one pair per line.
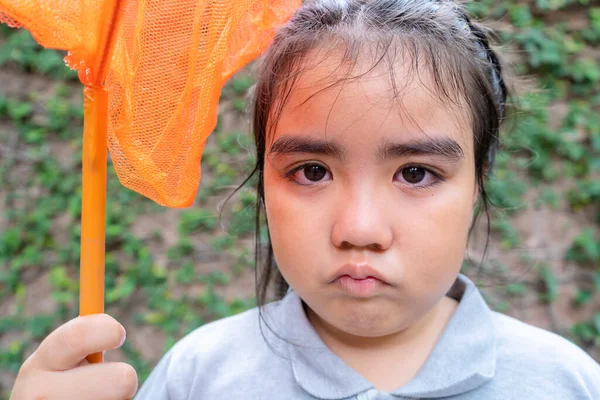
356, 178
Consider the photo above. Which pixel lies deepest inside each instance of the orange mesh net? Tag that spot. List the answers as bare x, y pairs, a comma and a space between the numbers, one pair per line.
153, 72
169, 63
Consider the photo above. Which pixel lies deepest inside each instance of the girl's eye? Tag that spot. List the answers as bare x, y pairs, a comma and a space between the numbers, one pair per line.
415, 176
418, 177
308, 174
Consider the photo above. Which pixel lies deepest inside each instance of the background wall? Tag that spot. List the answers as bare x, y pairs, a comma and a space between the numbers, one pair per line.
170, 271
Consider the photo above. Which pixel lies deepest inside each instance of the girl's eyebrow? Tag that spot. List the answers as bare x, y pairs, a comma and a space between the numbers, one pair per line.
301, 144
444, 147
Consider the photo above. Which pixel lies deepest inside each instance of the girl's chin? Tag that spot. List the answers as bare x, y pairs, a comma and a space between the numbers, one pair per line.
361, 319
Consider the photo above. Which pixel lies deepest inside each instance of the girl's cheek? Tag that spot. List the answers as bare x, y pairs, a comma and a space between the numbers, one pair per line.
297, 226
292, 218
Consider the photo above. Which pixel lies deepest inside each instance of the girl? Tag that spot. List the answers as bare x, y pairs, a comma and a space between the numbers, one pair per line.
376, 124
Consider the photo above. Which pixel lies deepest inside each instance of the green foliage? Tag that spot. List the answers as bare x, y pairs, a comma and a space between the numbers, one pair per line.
124, 287
548, 197
236, 90
516, 289
185, 273
588, 332
183, 247
225, 174
21, 50
240, 84
506, 190
11, 356
583, 297
550, 284
586, 192
224, 242
243, 220
585, 248
15, 110
232, 143
193, 220
509, 235
239, 105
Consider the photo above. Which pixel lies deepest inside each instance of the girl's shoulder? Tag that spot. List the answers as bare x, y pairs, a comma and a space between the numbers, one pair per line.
229, 336
227, 331
516, 336
526, 351
221, 354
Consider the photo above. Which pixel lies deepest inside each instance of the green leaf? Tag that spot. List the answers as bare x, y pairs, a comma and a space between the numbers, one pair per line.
516, 288
40, 325
584, 331
550, 283
585, 70
193, 220
585, 248
18, 111
596, 322
520, 15
239, 105
185, 274
10, 242
241, 84
60, 280
222, 242
582, 297
154, 317
125, 287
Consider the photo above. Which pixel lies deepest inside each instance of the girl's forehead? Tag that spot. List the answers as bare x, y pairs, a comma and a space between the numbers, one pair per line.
362, 101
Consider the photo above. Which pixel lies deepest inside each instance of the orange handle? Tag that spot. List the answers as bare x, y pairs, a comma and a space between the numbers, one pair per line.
93, 210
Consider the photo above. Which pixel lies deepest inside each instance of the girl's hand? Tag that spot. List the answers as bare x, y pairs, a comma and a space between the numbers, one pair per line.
58, 370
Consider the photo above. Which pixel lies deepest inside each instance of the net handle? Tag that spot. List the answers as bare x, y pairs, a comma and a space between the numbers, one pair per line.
93, 201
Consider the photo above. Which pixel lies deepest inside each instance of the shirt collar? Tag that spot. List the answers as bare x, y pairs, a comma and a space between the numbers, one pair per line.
463, 359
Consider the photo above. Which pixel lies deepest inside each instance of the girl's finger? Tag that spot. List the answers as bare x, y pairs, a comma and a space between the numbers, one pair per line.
70, 343
104, 381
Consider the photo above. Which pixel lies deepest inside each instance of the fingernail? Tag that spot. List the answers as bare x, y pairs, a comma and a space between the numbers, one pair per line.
124, 336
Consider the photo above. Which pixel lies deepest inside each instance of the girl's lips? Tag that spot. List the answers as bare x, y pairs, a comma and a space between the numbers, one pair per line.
358, 272
359, 287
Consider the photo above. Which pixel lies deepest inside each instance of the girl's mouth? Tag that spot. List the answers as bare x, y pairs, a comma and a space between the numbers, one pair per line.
359, 287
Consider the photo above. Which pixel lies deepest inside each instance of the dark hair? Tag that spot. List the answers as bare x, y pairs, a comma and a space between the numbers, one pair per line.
439, 37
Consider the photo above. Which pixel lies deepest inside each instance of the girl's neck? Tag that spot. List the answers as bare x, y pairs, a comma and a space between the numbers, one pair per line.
392, 360
431, 324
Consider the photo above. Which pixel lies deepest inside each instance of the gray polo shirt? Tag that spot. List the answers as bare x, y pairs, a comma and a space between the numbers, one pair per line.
481, 355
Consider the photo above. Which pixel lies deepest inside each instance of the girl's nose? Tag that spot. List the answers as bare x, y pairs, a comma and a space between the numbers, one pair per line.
362, 221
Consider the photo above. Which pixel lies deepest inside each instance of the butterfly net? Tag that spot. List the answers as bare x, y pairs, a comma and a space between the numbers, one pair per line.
169, 63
